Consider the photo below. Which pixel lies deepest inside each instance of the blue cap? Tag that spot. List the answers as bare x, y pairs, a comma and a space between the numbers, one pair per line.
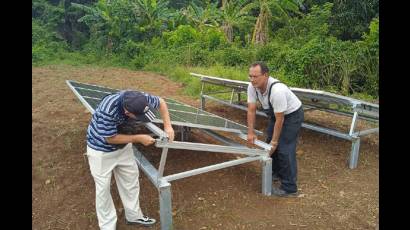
136, 103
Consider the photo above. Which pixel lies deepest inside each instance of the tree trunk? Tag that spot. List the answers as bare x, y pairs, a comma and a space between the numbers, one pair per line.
260, 33
109, 44
346, 83
347, 68
228, 30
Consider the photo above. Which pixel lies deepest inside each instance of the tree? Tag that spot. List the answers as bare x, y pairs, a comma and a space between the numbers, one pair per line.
114, 22
200, 17
48, 14
101, 20
152, 14
180, 4
235, 13
268, 10
351, 18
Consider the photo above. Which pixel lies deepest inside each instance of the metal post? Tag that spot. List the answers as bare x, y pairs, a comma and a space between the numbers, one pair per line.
354, 155
233, 92
182, 130
187, 131
165, 205
267, 176
162, 162
202, 96
354, 122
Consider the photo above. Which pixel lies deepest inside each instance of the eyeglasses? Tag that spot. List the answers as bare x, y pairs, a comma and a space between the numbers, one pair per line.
255, 76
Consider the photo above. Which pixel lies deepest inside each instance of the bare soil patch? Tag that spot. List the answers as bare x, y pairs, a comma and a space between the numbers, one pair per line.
63, 193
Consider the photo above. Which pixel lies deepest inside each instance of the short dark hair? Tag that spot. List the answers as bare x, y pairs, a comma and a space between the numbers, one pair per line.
264, 67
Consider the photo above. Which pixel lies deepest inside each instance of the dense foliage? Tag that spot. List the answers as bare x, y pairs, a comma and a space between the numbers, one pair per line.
330, 45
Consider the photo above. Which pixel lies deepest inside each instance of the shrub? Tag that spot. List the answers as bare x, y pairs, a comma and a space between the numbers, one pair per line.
234, 56
183, 35
212, 39
132, 49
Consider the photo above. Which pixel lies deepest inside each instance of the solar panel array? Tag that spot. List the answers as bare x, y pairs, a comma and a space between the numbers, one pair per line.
180, 113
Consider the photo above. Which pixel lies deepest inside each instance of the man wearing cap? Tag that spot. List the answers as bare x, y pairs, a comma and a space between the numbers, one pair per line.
285, 114
105, 155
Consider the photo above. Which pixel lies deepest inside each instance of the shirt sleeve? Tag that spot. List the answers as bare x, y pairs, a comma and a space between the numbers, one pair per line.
251, 94
278, 101
153, 101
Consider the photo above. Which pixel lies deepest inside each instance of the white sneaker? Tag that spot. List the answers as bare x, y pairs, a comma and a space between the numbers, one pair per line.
145, 220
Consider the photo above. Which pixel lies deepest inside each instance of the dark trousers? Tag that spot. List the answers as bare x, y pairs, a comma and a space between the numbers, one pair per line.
284, 158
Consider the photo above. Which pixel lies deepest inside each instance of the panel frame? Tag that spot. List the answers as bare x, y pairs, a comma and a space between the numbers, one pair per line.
358, 109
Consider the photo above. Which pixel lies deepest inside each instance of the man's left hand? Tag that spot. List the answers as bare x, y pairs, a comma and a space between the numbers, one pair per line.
170, 132
274, 147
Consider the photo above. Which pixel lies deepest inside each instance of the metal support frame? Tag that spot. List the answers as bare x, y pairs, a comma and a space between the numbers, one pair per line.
365, 132
210, 148
221, 92
202, 106
367, 111
162, 161
162, 183
353, 124
184, 132
211, 168
259, 143
165, 205
233, 92
354, 154
266, 163
146, 167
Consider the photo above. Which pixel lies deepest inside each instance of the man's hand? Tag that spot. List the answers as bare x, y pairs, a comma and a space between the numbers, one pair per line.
136, 138
170, 132
274, 147
251, 138
145, 139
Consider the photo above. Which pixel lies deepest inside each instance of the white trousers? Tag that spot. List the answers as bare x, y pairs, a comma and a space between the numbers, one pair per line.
124, 166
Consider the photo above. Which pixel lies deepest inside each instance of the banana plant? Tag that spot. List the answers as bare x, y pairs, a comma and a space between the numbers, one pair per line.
272, 10
235, 14
202, 17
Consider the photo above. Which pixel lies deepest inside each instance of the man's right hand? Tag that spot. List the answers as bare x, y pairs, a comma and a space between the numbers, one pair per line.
251, 138
145, 139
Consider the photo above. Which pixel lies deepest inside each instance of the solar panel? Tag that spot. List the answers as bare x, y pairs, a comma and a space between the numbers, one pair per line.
181, 114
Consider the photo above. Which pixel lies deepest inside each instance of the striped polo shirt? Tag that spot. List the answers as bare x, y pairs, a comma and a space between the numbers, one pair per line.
108, 115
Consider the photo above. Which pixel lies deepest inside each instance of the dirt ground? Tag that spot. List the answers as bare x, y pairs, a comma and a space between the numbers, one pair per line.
63, 193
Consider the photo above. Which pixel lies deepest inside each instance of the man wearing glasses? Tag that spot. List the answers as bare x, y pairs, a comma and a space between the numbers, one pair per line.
285, 114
